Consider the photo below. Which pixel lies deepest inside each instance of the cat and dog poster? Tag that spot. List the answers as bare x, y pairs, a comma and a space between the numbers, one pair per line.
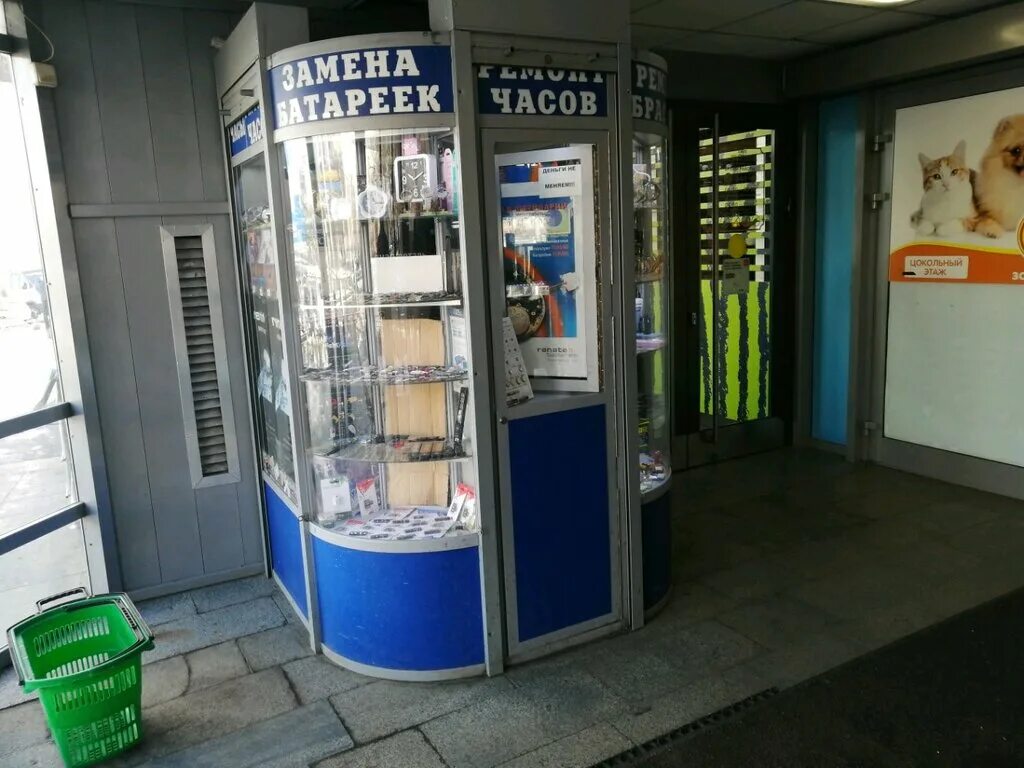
958, 191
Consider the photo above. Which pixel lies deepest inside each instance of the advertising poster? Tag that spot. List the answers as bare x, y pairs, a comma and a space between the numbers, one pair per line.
547, 222
958, 191
954, 312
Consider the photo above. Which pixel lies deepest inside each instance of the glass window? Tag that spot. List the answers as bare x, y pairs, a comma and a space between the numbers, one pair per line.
650, 236
26, 334
36, 475
273, 399
36, 470
374, 243
550, 263
735, 329
47, 566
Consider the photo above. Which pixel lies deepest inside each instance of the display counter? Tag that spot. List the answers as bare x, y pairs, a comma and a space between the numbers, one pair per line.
651, 269
431, 343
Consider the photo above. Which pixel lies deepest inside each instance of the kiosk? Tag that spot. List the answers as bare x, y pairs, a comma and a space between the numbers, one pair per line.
431, 251
652, 263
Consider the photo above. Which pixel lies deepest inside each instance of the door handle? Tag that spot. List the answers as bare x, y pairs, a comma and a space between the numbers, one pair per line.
503, 420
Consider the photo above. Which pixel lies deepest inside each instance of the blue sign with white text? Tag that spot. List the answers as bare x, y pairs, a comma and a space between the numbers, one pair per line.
246, 131
541, 91
649, 91
377, 81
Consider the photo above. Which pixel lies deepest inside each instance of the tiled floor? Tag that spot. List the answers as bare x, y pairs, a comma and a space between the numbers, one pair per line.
787, 564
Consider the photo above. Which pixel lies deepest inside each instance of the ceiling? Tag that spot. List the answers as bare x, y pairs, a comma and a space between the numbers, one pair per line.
780, 29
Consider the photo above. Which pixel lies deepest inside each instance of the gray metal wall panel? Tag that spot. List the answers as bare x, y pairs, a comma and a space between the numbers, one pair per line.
168, 88
118, 399
248, 486
200, 28
163, 427
124, 116
78, 114
138, 120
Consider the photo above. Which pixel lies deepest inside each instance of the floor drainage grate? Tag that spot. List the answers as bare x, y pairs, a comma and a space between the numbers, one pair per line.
643, 751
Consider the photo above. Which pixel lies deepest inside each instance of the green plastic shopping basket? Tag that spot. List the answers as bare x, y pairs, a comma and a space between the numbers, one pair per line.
85, 659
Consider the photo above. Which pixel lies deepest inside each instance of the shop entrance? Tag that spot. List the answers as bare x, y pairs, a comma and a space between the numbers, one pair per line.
733, 281
548, 203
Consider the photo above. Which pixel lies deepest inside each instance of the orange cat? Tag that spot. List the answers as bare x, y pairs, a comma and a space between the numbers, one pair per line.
1000, 184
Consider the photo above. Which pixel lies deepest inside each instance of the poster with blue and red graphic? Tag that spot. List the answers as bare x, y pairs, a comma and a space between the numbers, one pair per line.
548, 261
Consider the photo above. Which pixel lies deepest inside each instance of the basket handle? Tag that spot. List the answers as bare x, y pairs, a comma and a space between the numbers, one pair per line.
83, 591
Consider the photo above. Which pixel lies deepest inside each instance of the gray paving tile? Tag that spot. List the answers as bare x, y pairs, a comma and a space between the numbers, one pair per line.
43, 755
581, 750
408, 749
705, 647
297, 738
211, 666
950, 517
160, 610
22, 726
275, 646
690, 603
691, 702
10, 690
211, 713
819, 559
635, 673
862, 592
801, 661
382, 708
777, 621
754, 578
205, 629
163, 681
998, 539
232, 593
315, 678
551, 700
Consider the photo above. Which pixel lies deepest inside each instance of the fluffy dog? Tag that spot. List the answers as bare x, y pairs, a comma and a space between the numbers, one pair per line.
1000, 184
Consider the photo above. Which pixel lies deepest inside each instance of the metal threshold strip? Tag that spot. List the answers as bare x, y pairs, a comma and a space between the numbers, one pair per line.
644, 751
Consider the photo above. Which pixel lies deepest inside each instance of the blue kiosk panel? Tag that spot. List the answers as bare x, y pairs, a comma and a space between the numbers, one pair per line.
286, 547
656, 532
405, 611
560, 520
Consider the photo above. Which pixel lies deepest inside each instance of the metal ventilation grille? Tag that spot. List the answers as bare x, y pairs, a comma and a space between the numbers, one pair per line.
202, 359
197, 325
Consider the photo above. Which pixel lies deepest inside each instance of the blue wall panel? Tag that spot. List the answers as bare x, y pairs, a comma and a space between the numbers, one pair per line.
839, 122
417, 611
286, 547
559, 476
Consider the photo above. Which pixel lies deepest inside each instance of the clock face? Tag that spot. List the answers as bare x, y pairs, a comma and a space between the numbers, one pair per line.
414, 180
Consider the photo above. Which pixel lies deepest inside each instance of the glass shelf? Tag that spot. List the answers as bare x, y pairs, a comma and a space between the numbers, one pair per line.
394, 376
386, 301
396, 450
650, 221
374, 244
648, 344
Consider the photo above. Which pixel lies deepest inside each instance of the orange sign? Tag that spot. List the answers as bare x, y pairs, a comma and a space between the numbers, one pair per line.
933, 262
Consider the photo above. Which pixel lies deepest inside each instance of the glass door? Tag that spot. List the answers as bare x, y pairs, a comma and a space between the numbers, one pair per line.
734, 284
49, 532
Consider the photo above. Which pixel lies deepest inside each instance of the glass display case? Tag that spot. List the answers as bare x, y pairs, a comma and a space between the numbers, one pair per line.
272, 396
650, 236
373, 243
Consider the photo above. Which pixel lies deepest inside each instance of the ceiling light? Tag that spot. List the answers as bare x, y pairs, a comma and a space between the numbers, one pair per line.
874, 2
